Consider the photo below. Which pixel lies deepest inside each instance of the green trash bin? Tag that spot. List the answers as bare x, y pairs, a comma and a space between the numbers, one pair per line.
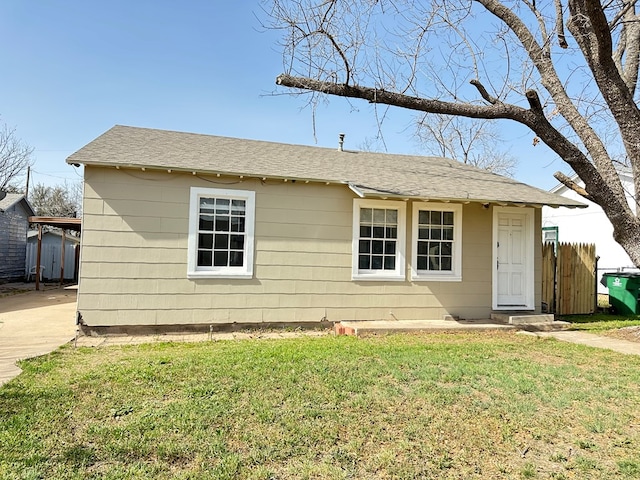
624, 290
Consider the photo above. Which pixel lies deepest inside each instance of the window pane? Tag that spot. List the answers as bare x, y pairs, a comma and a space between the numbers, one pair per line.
422, 262
436, 233
221, 241
206, 204
365, 231
364, 246
237, 207
220, 259
376, 262
206, 222
447, 233
222, 224
434, 248
390, 248
364, 262
392, 216
391, 232
237, 242
366, 215
389, 262
377, 246
423, 233
222, 206
423, 248
378, 215
445, 248
445, 263
436, 218
236, 259
237, 224
205, 240
447, 218
434, 263
423, 217
378, 232
204, 258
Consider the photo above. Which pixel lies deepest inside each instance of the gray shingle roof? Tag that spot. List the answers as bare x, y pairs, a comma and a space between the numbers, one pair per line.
11, 199
369, 174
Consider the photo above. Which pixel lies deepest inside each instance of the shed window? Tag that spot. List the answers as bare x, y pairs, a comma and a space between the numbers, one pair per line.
221, 233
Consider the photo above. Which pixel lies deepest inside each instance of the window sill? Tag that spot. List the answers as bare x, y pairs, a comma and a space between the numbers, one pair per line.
378, 278
222, 275
436, 278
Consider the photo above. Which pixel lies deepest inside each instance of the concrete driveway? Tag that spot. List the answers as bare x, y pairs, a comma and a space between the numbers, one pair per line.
33, 324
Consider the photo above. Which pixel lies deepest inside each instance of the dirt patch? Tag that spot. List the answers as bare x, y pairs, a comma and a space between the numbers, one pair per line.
631, 334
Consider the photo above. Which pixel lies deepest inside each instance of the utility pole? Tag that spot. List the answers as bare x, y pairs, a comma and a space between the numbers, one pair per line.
26, 190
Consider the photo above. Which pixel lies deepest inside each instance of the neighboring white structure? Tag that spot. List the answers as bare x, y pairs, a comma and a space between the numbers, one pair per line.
51, 255
589, 225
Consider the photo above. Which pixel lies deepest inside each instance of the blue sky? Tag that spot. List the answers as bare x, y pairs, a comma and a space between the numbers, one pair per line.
70, 70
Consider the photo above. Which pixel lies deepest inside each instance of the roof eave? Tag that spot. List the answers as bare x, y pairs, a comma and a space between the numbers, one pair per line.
516, 203
228, 173
357, 189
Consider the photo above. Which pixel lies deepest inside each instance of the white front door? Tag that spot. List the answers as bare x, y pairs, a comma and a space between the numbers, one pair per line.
513, 258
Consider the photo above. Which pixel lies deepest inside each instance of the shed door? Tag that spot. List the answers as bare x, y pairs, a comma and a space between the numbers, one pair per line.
513, 259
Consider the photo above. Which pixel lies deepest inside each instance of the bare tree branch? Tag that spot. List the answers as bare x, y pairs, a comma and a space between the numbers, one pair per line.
473, 142
579, 101
570, 184
562, 40
483, 92
15, 157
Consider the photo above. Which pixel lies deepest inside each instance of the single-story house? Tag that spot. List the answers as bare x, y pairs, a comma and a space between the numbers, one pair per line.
188, 230
590, 225
51, 254
15, 211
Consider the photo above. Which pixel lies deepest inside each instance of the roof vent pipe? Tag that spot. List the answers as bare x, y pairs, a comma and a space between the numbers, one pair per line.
341, 142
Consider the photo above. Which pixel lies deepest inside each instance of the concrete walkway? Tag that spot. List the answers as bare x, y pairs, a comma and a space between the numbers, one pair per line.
33, 324
591, 340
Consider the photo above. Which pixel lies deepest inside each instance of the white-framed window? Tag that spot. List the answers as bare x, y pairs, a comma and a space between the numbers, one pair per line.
436, 242
378, 240
221, 233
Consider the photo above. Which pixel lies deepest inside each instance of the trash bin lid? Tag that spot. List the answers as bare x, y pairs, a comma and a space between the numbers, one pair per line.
622, 274
603, 280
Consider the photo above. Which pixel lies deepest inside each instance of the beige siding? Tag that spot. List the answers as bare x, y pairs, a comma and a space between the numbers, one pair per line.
134, 258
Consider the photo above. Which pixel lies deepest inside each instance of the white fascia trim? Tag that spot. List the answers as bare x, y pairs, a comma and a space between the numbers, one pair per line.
355, 190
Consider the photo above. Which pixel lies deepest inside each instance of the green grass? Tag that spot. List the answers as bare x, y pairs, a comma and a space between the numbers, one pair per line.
446, 406
601, 322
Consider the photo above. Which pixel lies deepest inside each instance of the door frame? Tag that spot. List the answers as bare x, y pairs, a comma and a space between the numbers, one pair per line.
528, 240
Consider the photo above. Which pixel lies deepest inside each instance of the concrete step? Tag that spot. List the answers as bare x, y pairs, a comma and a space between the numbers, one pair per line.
363, 327
554, 326
522, 318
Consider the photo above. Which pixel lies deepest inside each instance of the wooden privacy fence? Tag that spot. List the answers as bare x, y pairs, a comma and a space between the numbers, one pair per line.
569, 278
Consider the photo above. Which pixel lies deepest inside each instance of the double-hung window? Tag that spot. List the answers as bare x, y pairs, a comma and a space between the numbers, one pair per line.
221, 226
378, 240
436, 242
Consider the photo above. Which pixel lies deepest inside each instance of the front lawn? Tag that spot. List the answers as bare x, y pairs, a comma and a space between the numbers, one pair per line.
601, 322
437, 406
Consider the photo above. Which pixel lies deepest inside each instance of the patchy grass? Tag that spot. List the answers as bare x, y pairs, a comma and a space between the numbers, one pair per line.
601, 322
444, 406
